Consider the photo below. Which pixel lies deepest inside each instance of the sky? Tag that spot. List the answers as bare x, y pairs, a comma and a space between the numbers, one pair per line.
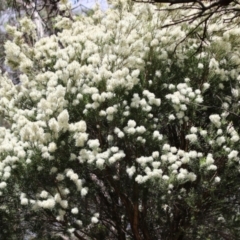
82, 6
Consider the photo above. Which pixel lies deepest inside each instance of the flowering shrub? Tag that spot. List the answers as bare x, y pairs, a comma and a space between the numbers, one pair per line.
116, 133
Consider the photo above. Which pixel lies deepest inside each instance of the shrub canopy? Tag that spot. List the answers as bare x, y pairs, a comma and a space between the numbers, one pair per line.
121, 130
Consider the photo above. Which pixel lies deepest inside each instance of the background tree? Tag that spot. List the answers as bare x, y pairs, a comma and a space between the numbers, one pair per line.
116, 133
226, 10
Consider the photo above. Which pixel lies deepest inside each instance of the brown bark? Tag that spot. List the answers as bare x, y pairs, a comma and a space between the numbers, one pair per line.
131, 207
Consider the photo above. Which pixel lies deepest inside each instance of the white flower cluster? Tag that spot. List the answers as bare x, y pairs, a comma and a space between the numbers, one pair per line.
94, 99
215, 119
132, 129
183, 97
145, 103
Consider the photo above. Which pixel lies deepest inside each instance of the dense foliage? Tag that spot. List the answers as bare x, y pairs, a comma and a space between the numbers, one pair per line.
121, 130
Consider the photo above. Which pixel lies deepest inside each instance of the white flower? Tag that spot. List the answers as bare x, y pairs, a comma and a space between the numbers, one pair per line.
165, 177
173, 149
81, 126
193, 130
192, 177
171, 117
73, 176
60, 177
217, 179
53, 125
64, 203
80, 138
155, 154
200, 66
156, 164
114, 149
49, 203
158, 73
206, 86
203, 133
154, 43
131, 130
233, 154
79, 223
52, 147
235, 93
141, 129
94, 220
57, 198
100, 162
7, 169
235, 138
6, 175
180, 114
110, 138
84, 192
199, 99
215, 119
131, 124
192, 137
74, 211
110, 110
219, 131
221, 219
164, 158
213, 63
93, 143
120, 134
166, 147
197, 91
192, 154
220, 140
140, 179
212, 167
181, 176
3, 185
174, 166
44, 194
24, 201
209, 159
131, 171
156, 134
63, 119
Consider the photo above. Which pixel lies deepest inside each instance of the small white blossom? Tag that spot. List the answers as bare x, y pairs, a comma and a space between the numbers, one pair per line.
44, 194
192, 137
166, 147
3, 185
24, 201
233, 154
131, 124
74, 210
206, 86
94, 220
193, 130
192, 177
235, 138
215, 119
141, 129
84, 192
200, 66
93, 143
131, 171
217, 179
52, 147
212, 167
203, 133
165, 177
